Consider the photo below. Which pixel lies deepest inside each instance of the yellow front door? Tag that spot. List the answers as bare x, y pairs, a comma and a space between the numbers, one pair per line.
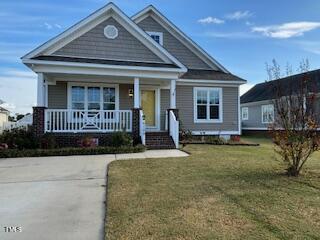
148, 104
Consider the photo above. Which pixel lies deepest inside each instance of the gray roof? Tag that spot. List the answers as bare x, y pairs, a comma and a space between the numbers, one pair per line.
104, 61
201, 74
269, 90
3, 109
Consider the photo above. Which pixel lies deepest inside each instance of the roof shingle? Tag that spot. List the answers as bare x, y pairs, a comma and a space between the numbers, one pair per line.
268, 90
200, 74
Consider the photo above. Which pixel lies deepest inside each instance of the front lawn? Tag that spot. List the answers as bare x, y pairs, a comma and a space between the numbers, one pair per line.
219, 192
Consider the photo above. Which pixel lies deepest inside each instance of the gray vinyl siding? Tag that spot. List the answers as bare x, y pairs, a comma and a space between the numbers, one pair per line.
164, 106
125, 102
186, 110
93, 44
57, 96
173, 45
255, 115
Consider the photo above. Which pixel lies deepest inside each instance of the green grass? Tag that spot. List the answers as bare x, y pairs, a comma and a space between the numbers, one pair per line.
219, 192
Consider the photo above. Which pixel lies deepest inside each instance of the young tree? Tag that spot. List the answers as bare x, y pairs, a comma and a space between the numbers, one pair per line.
294, 130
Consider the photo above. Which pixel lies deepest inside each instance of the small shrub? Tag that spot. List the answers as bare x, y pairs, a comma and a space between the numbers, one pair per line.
235, 138
19, 138
185, 134
12, 153
119, 139
88, 142
215, 140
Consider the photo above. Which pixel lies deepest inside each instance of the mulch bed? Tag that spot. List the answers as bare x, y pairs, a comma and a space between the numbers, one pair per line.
241, 143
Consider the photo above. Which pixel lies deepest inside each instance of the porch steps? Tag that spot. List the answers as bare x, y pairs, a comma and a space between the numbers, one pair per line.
159, 140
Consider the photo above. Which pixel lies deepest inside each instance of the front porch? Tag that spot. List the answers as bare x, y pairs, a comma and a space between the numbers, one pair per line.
77, 104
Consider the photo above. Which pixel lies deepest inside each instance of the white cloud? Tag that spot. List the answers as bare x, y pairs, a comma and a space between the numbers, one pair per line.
18, 89
211, 20
287, 30
58, 26
231, 35
238, 15
48, 26
245, 88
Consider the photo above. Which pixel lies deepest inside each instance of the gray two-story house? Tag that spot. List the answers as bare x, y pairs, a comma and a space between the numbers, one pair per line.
257, 105
143, 75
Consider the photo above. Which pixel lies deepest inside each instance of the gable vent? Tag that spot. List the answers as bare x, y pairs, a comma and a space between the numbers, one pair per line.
111, 32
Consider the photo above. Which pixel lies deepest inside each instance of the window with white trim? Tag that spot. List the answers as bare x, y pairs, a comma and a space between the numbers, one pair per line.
109, 98
267, 113
157, 36
93, 98
78, 98
207, 104
245, 113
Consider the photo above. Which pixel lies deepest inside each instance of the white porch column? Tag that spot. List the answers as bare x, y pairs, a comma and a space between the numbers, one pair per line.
41, 91
136, 93
173, 94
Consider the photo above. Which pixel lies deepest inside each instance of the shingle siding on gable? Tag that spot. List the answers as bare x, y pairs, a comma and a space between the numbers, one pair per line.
173, 45
94, 44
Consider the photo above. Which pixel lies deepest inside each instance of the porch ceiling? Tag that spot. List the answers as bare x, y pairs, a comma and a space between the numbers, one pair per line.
54, 77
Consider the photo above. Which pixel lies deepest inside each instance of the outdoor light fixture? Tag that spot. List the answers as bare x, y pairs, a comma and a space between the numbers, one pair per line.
130, 93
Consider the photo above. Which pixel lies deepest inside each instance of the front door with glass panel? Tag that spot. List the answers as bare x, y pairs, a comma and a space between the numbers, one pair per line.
148, 104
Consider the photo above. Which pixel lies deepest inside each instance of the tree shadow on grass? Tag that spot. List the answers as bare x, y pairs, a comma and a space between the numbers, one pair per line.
257, 216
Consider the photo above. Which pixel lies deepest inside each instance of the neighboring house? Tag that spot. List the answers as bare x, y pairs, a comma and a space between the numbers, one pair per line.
109, 72
257, 105
4, 116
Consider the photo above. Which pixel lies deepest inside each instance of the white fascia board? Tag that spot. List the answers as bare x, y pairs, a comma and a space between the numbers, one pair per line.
192, 81
94, 65
90, 70
146, 12
93, 20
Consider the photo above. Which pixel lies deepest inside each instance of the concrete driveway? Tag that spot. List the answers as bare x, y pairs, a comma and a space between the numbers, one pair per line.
58, 197
53, 197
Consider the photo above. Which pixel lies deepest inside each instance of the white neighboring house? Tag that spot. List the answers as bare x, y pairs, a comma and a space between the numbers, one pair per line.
21, 123
4, 117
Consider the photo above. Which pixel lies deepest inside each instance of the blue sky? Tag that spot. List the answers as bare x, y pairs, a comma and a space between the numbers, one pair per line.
242, 35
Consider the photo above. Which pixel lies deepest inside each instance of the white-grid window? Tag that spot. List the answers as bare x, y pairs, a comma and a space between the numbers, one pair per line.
78, 97
157, 36
91, 97
245, 113
267, 113
207, 104
109, 99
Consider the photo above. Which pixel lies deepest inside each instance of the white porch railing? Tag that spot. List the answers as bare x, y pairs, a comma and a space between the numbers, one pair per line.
142, 128
65, 120
174, 128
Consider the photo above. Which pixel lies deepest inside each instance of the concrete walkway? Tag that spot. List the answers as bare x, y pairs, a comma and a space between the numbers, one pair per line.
58, 197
